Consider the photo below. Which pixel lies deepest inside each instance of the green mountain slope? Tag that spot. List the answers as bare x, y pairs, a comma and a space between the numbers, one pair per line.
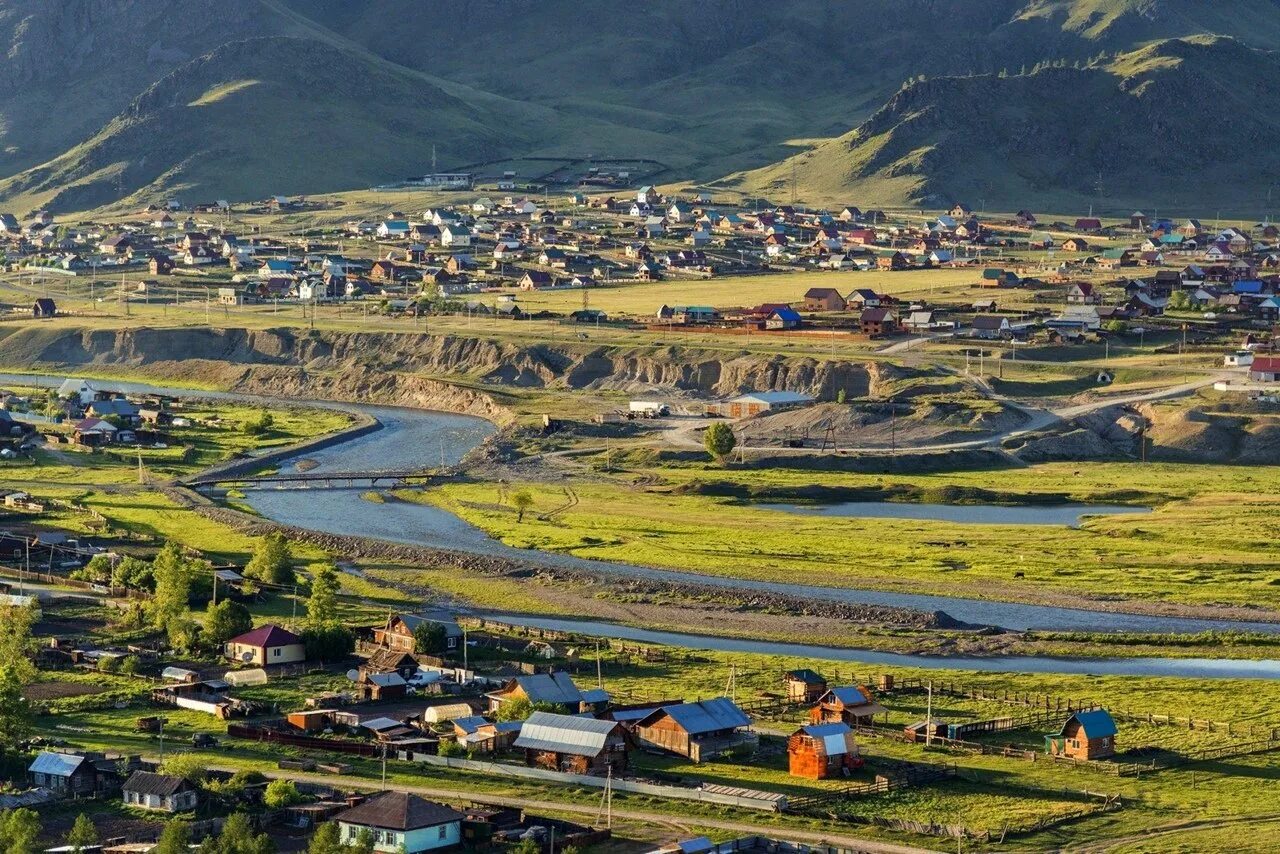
1179, 123
708, 88
264, 116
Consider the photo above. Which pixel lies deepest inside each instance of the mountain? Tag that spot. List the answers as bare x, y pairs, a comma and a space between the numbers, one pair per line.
1183, 123
268, 115
91, 91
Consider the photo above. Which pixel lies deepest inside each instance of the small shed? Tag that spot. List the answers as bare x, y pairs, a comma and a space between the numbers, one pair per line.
804, 686
819, 751
1084, 735
44, 307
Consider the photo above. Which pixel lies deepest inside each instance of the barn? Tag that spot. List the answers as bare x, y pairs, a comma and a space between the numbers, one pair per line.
699, 731
574, 744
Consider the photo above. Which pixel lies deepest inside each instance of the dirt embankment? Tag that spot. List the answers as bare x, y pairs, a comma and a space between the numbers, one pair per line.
1172, 432
373, 366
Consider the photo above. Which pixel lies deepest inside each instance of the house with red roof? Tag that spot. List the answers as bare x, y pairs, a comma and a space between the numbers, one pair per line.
266, 645
1265, 369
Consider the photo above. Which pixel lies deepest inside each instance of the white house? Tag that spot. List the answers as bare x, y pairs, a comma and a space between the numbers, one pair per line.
400, 822
455, 235
160, 792
393, 228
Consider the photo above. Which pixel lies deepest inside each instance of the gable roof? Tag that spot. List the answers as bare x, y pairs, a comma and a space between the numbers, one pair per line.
565, 734
555, 687
1097, 723
267, 636
399, 811
705, 715
850, 695
162, 785
56, 764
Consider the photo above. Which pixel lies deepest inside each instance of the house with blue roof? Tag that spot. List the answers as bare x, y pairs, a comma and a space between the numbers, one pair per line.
783, 317
698, 731
848, 704
1084, 736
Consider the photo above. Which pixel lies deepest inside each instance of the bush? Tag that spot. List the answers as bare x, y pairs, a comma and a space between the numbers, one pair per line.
452, 748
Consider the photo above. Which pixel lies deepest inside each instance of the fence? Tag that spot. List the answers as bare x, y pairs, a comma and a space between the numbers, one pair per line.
745, 798
271, 736
907, 775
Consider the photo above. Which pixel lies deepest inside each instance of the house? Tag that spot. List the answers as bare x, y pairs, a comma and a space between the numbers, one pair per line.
64, 774
393, 228
1082, 293
863, 298
990, 327
747, 405
267, 644
535, 280
401, 823
399, 632
159, 792
381, 686
1265, 369
875, 322
821, 751
93, 432
698, 731
455, 235
1085, 735
9, 224
689, 315
1075, 244
823, 299
554, 689
1088, 224
783, 317
846, 704
804, 686
44, 307
573, 744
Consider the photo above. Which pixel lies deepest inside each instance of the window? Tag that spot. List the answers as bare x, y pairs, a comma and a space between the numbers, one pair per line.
444, 831
276, 652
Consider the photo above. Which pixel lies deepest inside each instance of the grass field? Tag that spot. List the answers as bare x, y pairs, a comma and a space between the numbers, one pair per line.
1208, 541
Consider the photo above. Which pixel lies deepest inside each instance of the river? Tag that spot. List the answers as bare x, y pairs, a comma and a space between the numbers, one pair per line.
415, 438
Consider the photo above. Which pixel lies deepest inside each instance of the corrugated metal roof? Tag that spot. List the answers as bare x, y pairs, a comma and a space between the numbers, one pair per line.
555, 687
849, 695
56, 764
708, 715
565, 734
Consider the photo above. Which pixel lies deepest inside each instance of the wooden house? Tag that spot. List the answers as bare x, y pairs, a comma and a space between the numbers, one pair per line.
554, 689
823, 299
804, 686
1075, 244
820, 751
159, 792
846, 704
573, 744
876, 322
698, 731
1085, 735
399, 633
400, 822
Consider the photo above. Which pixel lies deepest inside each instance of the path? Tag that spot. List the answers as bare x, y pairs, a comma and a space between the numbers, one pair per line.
743, 827
1174, 830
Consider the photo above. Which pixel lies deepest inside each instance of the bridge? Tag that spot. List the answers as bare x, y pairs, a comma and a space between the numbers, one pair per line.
388, 477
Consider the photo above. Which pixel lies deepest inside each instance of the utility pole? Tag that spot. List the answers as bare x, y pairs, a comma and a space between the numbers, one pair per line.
599, 671
928, 719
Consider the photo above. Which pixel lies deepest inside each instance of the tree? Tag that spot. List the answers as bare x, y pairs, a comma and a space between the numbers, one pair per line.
719, 440
326, 840
429, 638
452, 747
170, 609
840, 396
134, 574
522, 500
15, 711
1116, 327
82, 835
272, 561
328, 643
19, 830
364, 842
174, 839
526, 846
322, 604
261, 426
15, 640
188, 766
226, 620
237, 837
520, 708
280, 794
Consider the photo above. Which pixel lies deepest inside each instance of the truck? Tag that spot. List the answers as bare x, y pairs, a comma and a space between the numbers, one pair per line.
647, 409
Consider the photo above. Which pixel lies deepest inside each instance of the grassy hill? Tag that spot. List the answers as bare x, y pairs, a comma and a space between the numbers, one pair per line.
708, 88
1182, 122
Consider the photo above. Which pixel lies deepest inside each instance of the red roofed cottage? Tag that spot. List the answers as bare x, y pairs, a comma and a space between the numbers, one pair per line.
267, 644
